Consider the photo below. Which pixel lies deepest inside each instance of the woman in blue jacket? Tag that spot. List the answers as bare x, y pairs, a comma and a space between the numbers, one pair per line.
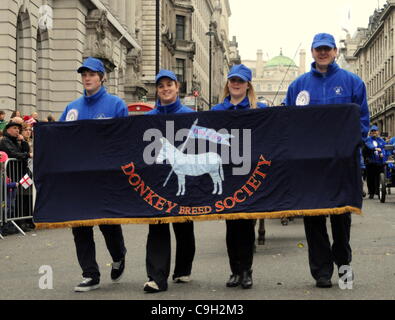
240, 234
158, 254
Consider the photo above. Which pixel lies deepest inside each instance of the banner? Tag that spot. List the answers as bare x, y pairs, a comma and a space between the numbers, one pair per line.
265, 163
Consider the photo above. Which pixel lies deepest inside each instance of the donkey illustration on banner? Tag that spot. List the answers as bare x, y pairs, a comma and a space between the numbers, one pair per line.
192, 165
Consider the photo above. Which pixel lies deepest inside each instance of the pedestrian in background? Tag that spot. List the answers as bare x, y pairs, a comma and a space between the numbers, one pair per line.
327, 83
375, 160
96, 103
158, 254
3, 122
239, 94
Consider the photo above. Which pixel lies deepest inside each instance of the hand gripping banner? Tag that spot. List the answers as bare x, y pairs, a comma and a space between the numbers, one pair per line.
267, 163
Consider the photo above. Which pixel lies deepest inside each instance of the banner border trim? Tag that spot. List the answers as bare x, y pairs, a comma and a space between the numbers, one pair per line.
225, 216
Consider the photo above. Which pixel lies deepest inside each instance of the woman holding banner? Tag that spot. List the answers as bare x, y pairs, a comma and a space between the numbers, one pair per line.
158, 254
240, 234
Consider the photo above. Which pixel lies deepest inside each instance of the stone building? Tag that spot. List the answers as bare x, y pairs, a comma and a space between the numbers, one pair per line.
370, 54
45, 41
271, 78
187, 27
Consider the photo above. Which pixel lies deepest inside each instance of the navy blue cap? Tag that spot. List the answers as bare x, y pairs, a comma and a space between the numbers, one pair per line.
165, 74
240, 71
323, 39
92, 64
374, 128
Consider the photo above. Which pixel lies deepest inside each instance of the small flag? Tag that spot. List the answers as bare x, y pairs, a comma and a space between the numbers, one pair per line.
210, 134
26, 181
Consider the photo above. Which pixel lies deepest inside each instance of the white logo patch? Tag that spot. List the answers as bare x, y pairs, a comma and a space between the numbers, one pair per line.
338, 91
303, 98
72, 115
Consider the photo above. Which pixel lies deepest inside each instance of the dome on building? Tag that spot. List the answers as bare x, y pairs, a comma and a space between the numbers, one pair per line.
280, 61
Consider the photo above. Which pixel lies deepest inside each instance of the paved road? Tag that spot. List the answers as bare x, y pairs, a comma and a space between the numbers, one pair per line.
280, 266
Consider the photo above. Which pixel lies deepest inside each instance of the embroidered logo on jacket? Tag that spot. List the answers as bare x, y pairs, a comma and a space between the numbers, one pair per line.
338, 91
303, 98
72, 115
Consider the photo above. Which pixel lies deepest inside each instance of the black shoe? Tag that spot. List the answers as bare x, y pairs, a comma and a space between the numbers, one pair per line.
233, 281
117, 270
246, 279
323, 283
371, 196
87, 284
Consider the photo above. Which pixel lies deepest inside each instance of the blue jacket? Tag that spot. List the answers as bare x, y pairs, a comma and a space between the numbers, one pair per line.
337, 86
374, 156
175, 107
227, 105
101, 105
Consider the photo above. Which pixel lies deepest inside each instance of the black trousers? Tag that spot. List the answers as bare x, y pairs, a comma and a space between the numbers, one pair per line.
158, 251
373, 171
321, 254
240, 238
86, 251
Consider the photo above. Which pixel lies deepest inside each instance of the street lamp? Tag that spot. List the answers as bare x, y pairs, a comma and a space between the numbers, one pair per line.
210, 33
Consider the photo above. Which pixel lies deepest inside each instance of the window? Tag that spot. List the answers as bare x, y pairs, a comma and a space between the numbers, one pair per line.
180, 73
180, 27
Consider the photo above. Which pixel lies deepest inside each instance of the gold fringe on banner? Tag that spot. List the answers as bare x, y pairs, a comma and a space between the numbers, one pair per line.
228, 216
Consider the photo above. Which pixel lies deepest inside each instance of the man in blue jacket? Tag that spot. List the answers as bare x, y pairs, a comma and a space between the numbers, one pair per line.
374, 161
327, 83
96, 103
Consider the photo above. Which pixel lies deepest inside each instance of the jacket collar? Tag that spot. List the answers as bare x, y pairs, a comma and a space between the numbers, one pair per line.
95, 97
14, 139
332, 68
169, 108
244, 104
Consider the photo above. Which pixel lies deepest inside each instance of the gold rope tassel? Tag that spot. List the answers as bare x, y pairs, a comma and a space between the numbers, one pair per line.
228, 216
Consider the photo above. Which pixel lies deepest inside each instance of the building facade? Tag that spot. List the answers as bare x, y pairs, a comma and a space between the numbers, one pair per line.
271, 78
373, 50
45, 41
194, 35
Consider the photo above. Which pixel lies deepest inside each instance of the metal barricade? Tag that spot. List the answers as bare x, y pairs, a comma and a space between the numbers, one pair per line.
18, 201
2, 197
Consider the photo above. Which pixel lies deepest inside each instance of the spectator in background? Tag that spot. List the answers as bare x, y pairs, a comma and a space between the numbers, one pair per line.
3, 123
15, 113
50, 118
35, 116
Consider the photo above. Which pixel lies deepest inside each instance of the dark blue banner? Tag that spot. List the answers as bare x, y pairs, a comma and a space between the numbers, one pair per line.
267, 163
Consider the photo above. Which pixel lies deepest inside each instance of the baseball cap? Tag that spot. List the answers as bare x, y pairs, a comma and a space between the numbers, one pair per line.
92, 64
240, 71
165, 74
374, 128
323, 39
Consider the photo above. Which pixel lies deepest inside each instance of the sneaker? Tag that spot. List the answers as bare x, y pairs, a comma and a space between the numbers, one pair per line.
151, 287
87, 284
117, 270
182, 279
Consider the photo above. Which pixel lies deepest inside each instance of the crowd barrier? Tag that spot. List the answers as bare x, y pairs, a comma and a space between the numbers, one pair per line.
16, 201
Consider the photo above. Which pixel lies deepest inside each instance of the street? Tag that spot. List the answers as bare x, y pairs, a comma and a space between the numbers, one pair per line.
280, 268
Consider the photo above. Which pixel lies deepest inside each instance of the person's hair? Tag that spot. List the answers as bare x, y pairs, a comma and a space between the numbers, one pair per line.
2, 112
13, 115
50, 118
250, 94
